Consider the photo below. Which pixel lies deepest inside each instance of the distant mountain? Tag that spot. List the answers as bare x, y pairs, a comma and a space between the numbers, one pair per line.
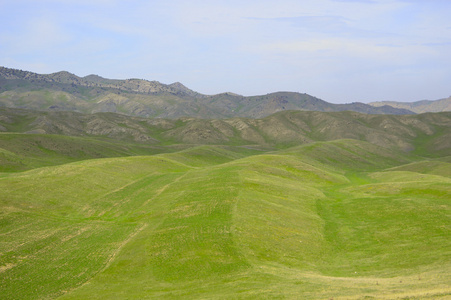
91, 81
418, 106
63, 91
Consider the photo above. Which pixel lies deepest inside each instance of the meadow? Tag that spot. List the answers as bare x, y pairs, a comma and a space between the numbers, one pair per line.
342, 219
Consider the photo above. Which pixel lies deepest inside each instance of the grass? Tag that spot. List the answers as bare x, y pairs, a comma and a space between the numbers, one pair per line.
341, 220
20, 152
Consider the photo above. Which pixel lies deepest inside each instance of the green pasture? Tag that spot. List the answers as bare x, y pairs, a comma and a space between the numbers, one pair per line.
329, 220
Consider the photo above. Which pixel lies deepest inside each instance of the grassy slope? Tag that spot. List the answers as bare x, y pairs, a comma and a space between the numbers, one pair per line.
19, 152
334, 219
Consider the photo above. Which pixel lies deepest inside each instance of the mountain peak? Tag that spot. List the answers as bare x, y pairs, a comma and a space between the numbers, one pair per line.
64, 77
181, 88
94, 78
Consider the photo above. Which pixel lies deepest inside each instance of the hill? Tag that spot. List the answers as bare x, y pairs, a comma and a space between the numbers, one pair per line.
418, 106
63, 91
20, 152
427, 134
343, 219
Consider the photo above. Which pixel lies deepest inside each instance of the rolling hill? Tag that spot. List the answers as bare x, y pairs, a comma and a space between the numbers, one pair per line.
427, 134
64, 91
295, 204
342, 219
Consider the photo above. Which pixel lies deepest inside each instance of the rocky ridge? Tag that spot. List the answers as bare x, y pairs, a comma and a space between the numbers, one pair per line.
63, 91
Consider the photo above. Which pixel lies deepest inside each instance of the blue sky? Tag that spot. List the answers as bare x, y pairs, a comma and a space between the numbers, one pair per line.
338, 50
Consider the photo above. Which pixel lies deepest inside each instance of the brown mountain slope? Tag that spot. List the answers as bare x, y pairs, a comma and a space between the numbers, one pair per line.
424, 132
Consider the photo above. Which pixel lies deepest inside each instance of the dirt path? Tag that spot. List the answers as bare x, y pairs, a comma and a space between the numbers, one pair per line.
112, 256
161, 190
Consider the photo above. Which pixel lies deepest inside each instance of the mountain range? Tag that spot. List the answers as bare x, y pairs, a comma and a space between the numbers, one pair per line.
63, 91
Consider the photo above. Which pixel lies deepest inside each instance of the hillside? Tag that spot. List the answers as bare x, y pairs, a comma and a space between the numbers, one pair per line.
64, 91
427, 134
343, 219
418, 106
20, 152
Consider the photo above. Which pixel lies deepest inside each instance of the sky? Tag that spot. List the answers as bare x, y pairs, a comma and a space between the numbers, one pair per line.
341, 51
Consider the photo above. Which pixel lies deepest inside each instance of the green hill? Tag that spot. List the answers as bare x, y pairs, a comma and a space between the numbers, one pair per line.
342, 219
19, 152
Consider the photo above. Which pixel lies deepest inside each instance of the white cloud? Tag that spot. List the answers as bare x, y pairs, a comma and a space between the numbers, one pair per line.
240, 46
